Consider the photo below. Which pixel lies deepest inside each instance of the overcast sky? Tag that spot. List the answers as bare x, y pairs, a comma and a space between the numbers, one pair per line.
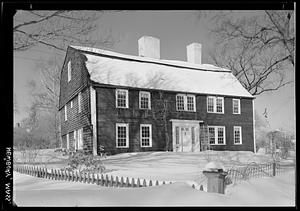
175, 29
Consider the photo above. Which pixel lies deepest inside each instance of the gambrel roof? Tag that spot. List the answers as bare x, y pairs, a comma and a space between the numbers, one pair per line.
107, 67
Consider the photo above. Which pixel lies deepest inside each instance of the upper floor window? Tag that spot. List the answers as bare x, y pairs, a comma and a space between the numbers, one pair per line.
69, 71
185, 102
122, 98
146, 135
145, 100
66, 113
236, 104
122, 135
215, 104
216, 135
71, 103
237, 132
79, 102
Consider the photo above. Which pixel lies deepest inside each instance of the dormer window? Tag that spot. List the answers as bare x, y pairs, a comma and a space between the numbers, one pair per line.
69, 71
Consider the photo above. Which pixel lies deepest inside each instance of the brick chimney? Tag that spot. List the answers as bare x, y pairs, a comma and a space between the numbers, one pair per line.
194, 53
149, 47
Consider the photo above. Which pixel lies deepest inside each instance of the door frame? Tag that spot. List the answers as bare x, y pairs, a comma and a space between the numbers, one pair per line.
185, 123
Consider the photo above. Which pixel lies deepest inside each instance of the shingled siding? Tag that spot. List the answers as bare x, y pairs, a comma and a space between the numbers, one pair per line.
79, 76
108, 115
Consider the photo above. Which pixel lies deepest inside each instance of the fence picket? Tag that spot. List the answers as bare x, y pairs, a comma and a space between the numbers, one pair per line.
156, 183
122, 182
127, 182
117, 181
150, 183
106, 180
111, 181
193, 186
164, 182
144, 183
201, 187
132, 182
138, 183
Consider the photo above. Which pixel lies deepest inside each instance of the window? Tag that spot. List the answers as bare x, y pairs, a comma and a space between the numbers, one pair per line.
216, 135
237, 131
79, 102
236, 104
185, 102
122, 135
145, 100
215, 104
190, 102
72, 104
66, 113
146, 135
68, 141
69, 71
121, 98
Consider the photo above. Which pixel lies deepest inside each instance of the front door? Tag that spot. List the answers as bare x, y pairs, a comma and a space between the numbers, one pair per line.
186, 139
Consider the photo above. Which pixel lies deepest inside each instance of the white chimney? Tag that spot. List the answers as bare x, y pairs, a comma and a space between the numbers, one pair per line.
194, 53
149, 47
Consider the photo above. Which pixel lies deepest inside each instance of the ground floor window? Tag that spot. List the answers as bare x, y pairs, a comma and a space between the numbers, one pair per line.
237, 131
146, 135
216, 135
122, 135
78, 139
68, 141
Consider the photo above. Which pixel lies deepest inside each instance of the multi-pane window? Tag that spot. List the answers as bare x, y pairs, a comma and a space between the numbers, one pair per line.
146, 135
122, 135
215, 104
180, 102
79, 102
66, 113
211, 131
185, 102
216, 135
69, 71
220, 135
121, 98
236, 106
237, 131
210, 104
78, 135
145, 100
190, 102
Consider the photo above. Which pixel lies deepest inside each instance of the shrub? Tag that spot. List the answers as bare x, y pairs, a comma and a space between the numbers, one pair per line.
85, 162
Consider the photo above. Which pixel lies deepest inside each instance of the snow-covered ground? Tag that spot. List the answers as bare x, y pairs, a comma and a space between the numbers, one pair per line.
32, 191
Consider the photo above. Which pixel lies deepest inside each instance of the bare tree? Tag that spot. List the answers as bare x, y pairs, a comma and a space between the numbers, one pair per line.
57, 29
259, 48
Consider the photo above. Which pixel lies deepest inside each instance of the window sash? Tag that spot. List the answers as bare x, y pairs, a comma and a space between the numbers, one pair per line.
215, 104
66, 113
237, 134
122, 135
146, 135
69, 71
211, 104
68, 141
236, 106
217, 135
121, 98
185, 102
145, 100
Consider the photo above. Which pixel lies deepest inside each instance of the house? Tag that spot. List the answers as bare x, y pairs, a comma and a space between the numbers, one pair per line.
128, 103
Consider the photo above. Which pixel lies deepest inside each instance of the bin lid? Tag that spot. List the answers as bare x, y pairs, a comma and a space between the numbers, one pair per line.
213, 166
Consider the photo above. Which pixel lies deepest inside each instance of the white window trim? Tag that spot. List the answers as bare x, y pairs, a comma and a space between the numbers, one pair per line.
69, 71
239, 106
127, 134
116, 94
216, 134
194, 99
240, 129
185, 102
66, 113
71, 103
79, 102
150, 132
75, 139
215, 104
68, 141
149, 101
79, 137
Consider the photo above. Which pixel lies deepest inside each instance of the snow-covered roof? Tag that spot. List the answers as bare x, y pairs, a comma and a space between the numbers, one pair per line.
107, 67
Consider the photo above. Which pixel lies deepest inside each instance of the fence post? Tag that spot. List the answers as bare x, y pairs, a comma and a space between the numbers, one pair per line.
201, 187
